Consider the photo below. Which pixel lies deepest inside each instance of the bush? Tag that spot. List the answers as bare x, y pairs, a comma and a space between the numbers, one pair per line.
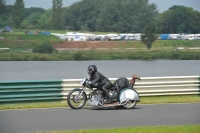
44, 48
78, 56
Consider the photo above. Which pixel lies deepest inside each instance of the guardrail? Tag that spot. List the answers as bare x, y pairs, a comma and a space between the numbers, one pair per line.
51, 90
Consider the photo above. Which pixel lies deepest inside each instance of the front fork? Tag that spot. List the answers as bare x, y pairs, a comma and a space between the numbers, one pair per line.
81, 93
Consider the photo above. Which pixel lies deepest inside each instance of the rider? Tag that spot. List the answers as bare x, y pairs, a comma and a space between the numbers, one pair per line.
122, 83
96, 78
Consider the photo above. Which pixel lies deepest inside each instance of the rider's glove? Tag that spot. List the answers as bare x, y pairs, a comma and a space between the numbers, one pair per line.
91, 83
88, 84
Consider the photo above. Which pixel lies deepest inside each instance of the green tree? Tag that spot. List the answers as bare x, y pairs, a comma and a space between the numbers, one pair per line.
179, 19
29, 11
2, 11
2, 7
32, 20
109, 15
6, 18
57, 13
18, 13
148, 34
45, 21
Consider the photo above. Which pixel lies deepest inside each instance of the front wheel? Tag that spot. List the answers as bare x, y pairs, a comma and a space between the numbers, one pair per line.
76, 98
130, 104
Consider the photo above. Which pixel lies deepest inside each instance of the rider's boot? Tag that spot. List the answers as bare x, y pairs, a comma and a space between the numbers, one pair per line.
133, 78
108, 96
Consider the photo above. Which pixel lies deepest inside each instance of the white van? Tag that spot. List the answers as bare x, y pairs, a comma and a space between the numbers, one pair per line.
138, 36
76, 36
130, 37
198, 36
191, 37
173, 36
182, 37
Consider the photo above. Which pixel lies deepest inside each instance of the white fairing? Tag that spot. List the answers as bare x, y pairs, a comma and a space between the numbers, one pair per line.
129, 94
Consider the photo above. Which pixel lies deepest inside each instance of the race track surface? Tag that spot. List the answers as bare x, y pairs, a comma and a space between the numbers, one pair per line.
33, 120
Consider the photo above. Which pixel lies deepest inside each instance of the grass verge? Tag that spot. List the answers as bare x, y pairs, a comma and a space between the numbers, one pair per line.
99, 55
140, 129
144, 100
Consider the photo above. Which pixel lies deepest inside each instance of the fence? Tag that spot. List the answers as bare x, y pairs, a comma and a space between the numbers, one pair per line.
51, 90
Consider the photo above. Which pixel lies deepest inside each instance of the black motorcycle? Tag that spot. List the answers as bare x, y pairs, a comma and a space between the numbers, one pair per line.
126, 98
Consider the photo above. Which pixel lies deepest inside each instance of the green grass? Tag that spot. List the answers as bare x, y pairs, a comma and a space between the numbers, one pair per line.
139, 129
25, 54
32, 105
22, 31
144, 100
170, 99
35, 38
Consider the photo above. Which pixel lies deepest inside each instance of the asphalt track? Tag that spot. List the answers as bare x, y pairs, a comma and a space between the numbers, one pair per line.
33, 120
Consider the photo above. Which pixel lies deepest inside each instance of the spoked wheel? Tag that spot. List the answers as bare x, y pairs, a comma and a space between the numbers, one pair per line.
76, 99
130, 104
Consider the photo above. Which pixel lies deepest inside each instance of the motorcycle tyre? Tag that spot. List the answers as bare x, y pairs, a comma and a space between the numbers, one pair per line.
68, 99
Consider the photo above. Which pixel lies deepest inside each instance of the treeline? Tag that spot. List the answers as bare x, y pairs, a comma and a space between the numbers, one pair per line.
101, 15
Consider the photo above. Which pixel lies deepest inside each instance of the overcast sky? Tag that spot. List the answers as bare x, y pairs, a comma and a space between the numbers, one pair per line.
161, 4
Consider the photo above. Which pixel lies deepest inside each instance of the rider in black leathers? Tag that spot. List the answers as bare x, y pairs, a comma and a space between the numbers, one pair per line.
97, 78
122, 83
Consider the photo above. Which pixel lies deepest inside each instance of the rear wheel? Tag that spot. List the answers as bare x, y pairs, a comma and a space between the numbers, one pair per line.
76, 99
130, 104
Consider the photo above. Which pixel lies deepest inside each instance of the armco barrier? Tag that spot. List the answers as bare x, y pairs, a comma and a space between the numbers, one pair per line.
51, 90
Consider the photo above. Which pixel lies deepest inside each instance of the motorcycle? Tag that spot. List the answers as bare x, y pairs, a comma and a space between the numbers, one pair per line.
126, 98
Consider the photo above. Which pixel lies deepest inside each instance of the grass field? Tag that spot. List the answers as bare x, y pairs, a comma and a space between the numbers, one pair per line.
140, 129
25, 54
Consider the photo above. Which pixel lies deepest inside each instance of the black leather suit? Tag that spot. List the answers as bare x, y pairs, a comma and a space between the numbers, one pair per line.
97, 78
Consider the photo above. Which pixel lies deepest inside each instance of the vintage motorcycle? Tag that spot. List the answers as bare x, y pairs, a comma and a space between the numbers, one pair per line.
126, 98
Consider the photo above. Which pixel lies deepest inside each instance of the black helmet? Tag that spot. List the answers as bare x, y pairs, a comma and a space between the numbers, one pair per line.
92, 69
